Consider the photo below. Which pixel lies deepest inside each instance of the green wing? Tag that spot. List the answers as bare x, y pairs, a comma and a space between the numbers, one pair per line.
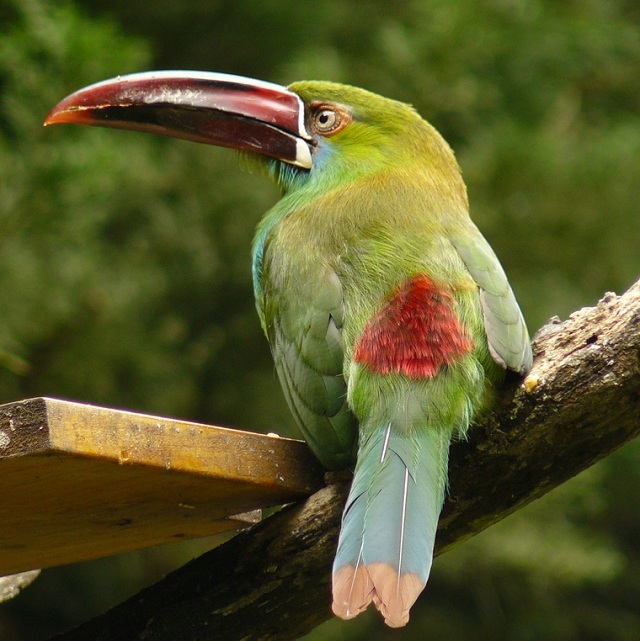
505, 327
306, 342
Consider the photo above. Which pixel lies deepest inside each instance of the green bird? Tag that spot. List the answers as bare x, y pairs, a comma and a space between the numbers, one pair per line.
388, 314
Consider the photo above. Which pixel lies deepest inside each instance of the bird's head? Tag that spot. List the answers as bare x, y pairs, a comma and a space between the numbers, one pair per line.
310, 131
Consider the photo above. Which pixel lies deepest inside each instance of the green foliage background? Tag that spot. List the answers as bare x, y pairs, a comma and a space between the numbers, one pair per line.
124, 259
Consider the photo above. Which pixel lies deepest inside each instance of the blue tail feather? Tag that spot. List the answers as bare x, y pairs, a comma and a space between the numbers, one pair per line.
390, 521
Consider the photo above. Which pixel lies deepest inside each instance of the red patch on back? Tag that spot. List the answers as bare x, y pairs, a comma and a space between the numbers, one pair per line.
416, 333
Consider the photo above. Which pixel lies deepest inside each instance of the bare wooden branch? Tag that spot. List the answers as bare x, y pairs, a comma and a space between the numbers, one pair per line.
579, 403
11, 585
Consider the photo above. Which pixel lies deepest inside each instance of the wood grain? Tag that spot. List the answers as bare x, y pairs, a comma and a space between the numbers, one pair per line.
78, 482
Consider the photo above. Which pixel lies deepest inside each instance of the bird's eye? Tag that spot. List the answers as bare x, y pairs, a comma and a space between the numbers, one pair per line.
327, 120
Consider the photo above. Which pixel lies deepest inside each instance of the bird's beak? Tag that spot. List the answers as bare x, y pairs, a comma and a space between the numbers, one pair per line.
213, 108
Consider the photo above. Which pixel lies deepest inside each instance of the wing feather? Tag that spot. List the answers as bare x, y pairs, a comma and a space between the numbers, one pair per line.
505, 327
306, 342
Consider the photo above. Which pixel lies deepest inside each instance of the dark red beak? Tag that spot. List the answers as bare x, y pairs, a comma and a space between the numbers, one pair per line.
213, 108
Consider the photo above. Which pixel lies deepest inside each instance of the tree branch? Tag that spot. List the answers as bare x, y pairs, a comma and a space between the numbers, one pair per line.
579, 403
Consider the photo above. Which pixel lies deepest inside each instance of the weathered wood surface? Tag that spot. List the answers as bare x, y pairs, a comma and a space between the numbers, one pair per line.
78, 482
11, 585
580, 402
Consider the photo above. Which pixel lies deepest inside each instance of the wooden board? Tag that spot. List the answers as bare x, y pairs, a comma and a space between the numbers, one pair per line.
80, 482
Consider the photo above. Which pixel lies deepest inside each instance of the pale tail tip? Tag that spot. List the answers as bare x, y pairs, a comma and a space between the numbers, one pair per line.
352, 591
377, 583
394, 595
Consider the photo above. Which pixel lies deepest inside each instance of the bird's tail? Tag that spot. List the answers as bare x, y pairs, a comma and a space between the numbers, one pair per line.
389, 523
